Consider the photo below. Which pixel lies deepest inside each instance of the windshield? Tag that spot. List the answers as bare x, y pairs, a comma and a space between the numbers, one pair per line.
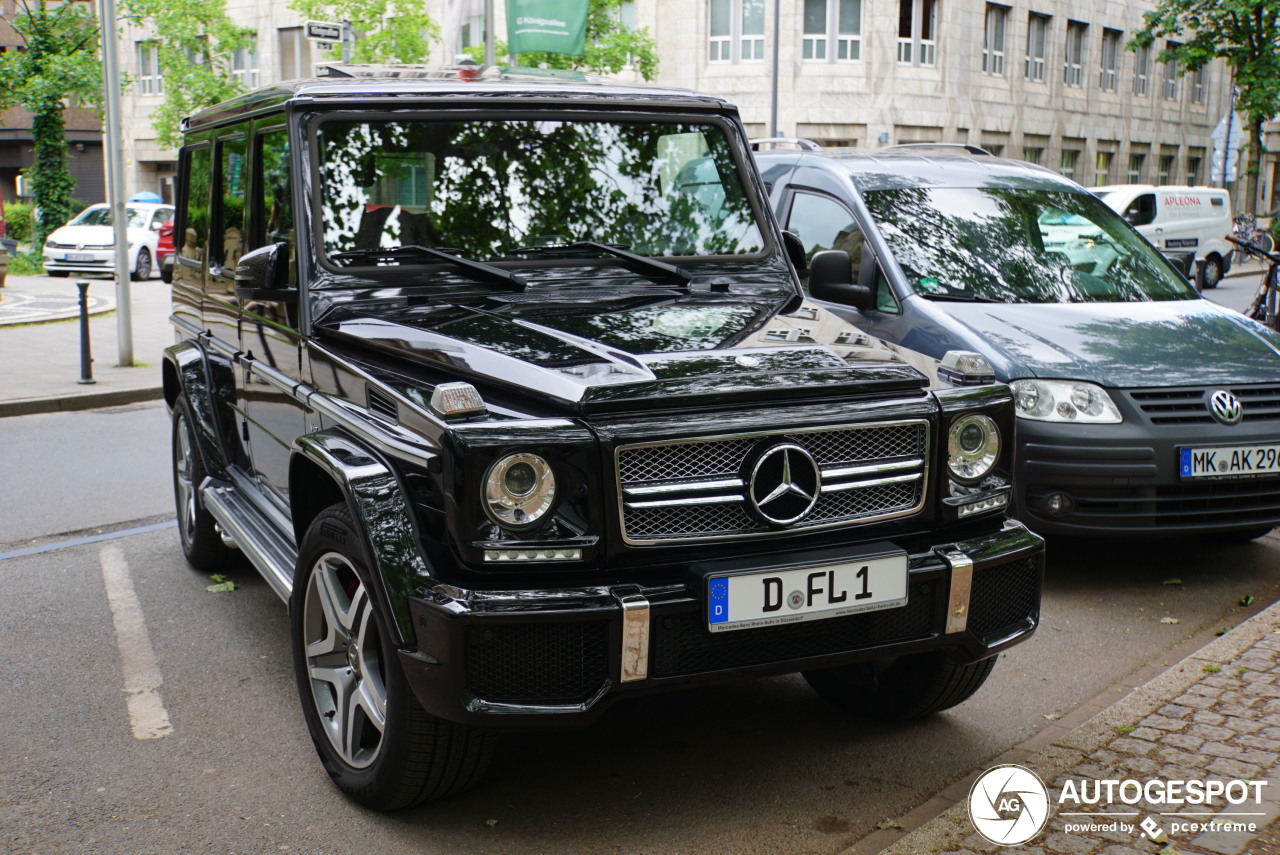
101, 216
1020, 246
485, 188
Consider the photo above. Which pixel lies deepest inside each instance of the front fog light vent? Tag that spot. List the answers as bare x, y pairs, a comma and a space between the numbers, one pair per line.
966, 368
501, 556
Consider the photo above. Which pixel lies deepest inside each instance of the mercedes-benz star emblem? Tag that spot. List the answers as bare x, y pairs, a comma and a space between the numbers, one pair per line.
784, 486
1225, 407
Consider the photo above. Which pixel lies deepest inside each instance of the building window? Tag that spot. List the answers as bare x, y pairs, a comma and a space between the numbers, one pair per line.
1110, 60
1032, 155
1102, 169
1194, 165
295, 54
1073, 65
993, 40
470, 32
737, 31
832, 30
1141, 68
244, 66
149, 79
1136, 162
1171, 77
1198, 88
1164, 169
917, 22
1067, 165
1037, 30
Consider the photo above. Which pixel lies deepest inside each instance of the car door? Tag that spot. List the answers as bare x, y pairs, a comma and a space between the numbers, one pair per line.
269, 338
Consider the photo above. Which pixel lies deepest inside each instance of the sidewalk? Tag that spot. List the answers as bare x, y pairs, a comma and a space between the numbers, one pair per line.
40, 345
1213, 716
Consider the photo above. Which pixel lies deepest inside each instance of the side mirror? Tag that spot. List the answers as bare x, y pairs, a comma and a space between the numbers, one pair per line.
263, 275
795, 251
830, 280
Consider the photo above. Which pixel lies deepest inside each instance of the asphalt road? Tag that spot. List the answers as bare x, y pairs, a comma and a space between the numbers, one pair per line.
758, 766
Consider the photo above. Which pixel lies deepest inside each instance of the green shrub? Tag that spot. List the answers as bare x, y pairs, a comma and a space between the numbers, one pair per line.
17, 216
26, 264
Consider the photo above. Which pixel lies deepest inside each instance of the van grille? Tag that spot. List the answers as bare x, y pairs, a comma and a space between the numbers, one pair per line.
1186, 405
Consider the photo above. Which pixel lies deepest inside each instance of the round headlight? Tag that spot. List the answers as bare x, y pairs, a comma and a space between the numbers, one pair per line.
519, 489
973, 445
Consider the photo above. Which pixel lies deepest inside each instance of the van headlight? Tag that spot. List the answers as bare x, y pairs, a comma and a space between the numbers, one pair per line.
519, 490
973, 446
1064, 401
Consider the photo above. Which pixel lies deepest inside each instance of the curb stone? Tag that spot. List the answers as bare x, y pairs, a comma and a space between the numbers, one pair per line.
947, 830
82, 401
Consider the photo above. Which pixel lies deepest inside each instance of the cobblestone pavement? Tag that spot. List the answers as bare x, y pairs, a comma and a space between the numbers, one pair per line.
24, 307
1212, 717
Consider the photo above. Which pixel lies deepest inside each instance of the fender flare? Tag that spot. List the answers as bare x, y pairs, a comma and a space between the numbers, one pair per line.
186, 372
375, 495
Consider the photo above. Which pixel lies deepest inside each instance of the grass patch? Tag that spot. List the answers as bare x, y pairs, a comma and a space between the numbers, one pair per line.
26, 264
1212, 669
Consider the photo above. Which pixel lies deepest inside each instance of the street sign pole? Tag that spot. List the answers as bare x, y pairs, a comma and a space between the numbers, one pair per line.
115, 177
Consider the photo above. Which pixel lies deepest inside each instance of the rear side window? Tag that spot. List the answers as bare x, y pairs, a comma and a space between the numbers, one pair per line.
195, 217
1216, 201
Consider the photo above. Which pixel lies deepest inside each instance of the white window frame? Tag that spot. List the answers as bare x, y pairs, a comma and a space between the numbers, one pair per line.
1137, 163
1069, 162
1199, 90
916, 49
832, 44
737, 46
995, 30
1073, 61
150, 81
1037, 46
1164, 169
1141, 70
1102, 163
244, 65
1110, 60
1169, 91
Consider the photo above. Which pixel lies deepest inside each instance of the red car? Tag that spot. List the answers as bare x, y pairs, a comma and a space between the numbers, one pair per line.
165, 250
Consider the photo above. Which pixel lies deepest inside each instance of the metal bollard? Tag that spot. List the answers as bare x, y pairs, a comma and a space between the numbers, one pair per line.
86, 360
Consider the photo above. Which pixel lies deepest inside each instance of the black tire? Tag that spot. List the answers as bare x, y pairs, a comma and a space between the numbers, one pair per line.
903, 688
61, 274
197, 530
141, 266
1211, 274
347, 672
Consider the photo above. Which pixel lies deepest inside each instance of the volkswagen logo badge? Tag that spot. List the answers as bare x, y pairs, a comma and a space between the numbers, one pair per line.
1225, 407
785, 484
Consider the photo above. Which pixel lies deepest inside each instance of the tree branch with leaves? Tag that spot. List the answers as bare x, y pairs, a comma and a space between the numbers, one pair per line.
1244, 33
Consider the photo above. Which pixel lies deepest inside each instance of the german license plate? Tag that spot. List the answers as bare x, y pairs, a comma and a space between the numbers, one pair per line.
78, 256
771, 598
1230, 461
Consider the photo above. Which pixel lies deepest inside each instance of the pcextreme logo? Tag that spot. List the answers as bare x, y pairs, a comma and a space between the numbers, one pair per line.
1008, 805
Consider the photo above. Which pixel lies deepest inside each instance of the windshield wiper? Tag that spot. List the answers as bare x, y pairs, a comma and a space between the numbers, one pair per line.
658, 271
477, 270
961, 298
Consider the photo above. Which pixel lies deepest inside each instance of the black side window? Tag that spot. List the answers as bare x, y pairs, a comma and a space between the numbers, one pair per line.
195, 218
823, 223
1141, 210
272, 167
232, 179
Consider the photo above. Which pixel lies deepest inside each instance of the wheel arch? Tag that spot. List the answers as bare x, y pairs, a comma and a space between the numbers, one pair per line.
184, 372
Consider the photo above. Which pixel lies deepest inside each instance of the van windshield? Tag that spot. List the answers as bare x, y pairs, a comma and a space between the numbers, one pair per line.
485, 188
1020, 246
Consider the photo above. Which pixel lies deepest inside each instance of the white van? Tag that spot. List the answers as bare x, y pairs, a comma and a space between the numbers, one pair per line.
1178, 219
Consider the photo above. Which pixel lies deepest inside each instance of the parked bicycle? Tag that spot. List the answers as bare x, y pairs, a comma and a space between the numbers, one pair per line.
1245, 228
1266, 303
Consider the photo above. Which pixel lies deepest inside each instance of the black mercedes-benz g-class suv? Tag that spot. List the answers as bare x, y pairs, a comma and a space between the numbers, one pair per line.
508, 388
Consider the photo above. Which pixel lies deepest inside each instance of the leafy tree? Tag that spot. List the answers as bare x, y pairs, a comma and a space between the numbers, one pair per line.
611, 46
1245, 33
385, 30
196, 42
60, 62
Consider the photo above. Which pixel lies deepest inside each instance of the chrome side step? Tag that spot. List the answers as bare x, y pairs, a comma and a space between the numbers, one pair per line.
271, 551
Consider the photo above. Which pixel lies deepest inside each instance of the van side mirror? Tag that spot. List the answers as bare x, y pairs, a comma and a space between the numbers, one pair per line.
263, 275
830, 280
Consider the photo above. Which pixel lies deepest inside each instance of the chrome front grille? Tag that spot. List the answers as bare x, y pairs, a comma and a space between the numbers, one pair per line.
699, 489
1188, 404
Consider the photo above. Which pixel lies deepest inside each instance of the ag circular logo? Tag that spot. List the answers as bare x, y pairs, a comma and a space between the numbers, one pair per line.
784, 485
1009, 805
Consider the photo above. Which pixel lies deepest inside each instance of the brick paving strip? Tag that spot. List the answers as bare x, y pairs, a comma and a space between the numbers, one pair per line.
1213, 716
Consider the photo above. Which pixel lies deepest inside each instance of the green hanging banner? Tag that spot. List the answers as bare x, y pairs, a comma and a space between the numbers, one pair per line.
547, 26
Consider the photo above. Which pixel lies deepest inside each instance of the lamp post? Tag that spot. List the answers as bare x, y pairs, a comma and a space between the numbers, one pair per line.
115, 177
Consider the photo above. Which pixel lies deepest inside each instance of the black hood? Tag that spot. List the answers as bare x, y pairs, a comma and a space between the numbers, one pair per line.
592, 351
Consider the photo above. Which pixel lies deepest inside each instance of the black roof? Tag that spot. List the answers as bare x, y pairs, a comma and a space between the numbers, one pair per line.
889, 169
375, 89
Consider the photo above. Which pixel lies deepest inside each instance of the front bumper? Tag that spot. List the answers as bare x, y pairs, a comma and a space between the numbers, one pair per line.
1124, 479
90, 260
558, 658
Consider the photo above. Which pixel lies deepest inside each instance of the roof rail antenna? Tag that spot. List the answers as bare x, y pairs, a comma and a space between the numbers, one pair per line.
772, 143
936, 146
